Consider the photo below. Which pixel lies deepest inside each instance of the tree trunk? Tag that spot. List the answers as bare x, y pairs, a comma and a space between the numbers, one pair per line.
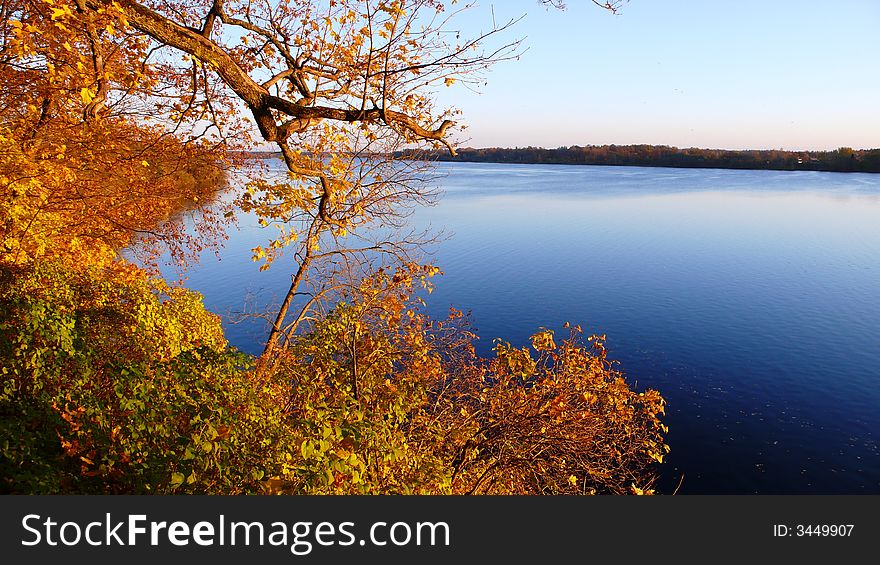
267, 358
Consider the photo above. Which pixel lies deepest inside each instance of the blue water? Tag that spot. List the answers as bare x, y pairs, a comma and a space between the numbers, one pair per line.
750, 299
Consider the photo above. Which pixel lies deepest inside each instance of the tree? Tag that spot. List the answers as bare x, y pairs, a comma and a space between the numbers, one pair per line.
82, 167
336, 86
118, 114
613, 6
114, 382
560, 420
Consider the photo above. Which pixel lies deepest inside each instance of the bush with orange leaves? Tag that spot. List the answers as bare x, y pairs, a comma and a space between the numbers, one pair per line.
387, 400
559, 421
115, 382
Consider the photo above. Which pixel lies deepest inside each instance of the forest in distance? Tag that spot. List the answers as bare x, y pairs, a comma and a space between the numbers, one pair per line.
841, 160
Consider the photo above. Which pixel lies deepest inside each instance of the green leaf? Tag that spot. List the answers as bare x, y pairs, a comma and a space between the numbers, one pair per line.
177, 480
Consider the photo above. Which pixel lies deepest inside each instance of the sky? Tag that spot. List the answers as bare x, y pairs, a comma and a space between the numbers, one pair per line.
727, 74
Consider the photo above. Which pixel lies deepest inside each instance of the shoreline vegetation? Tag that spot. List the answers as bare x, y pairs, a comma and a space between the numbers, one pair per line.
841, 160
114, 381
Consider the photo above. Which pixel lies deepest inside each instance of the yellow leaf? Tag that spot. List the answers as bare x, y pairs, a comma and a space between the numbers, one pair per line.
62, 11
449, 81
87, 95
543, 341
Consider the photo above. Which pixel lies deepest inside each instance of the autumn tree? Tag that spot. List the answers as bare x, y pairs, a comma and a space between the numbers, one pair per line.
612, 6
86, 165
119, 114
336, 86
550, 419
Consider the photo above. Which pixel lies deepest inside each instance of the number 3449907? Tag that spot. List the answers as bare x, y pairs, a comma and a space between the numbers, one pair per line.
821, 530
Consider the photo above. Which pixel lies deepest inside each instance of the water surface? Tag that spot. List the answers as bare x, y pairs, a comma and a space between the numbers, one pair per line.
748, 298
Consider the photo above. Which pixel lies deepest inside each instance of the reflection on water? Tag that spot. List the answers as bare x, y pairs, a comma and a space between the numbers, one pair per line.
748, 298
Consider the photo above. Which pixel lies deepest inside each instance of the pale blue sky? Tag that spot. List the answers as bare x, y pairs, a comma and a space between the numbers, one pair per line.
712, 73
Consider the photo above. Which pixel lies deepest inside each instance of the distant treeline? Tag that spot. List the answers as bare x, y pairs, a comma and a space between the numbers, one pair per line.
259, 154
843, 159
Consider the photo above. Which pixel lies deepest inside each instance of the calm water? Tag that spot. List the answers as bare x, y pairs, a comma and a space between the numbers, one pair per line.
750, 299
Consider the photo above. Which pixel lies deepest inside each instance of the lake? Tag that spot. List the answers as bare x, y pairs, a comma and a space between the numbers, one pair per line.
750, 299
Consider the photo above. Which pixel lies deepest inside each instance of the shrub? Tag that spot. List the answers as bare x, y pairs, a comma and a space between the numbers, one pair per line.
115, 382
386, 400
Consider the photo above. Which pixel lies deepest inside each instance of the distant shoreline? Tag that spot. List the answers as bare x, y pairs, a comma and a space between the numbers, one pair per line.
839, 160
842, 160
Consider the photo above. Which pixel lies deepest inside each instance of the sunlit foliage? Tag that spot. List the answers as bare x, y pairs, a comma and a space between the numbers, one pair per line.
386, 400
85, 164
554, 419
120, 116
114, 382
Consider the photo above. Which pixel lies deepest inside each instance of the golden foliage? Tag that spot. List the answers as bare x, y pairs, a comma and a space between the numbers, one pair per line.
113, 382
86, 165
119, 116
386, 400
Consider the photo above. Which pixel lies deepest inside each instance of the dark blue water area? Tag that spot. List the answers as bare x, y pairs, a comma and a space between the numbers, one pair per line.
750, 299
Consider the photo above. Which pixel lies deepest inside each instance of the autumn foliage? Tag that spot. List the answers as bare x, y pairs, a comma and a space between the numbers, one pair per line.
118, 128
113, 382
397, 402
